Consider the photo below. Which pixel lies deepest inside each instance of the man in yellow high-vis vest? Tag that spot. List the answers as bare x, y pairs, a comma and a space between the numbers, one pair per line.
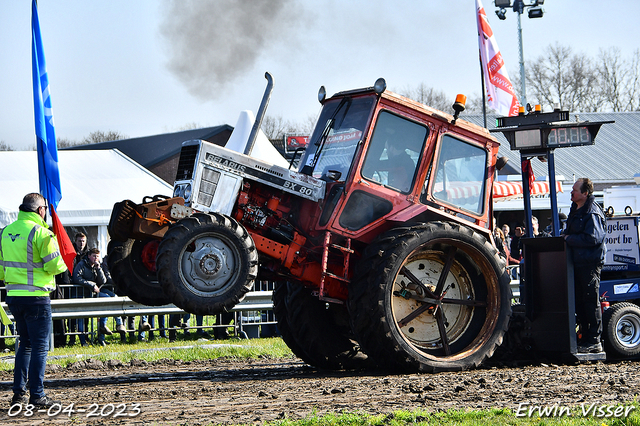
29, 260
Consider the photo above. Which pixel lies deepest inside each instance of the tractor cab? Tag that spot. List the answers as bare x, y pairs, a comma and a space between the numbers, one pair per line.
382, 154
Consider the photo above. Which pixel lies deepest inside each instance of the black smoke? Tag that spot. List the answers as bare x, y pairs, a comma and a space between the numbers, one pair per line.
214, 42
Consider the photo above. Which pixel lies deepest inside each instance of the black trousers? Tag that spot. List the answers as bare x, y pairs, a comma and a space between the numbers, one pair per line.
588, 313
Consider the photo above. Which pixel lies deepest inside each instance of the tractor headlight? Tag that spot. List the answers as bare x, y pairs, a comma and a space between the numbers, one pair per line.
182, 190
178, 191
187, 192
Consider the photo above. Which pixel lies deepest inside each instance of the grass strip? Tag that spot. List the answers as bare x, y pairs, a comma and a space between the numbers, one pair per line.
201, 349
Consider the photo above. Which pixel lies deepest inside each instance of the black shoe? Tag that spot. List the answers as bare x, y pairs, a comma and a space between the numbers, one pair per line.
221, 334
590, 348
45, 401
19, 399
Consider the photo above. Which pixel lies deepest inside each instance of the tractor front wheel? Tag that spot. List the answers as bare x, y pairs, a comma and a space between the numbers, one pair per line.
207, 263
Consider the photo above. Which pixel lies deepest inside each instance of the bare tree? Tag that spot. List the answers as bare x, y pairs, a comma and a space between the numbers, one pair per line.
438, 99
474, 105
307, 125
582, 84
66, 142
5, 146
429, 96
633, 82
94, 137
275, 127
559, 76
620, 79
100, 136
190, 126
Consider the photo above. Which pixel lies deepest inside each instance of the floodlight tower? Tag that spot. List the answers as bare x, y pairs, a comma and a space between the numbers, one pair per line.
535, 11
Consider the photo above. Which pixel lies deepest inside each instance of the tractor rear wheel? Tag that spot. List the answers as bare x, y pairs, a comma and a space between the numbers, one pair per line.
280, 299
622, 329
319, 331
431, 297
132, 267
207, 263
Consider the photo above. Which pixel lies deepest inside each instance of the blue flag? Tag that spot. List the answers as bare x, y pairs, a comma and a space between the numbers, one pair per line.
43, 115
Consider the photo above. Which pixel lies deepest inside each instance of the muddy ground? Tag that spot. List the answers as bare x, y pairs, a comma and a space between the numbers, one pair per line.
229, 391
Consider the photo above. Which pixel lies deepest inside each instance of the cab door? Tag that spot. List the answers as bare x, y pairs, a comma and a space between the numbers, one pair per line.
385, 181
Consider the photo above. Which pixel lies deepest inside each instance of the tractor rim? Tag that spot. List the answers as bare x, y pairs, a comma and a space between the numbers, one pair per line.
208, 263
423, 331
628, 330
456, 304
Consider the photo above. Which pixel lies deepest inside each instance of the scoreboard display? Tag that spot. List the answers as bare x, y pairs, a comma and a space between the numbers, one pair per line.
547, 131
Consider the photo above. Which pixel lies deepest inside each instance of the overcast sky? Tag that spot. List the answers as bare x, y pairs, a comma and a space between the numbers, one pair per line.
146, 67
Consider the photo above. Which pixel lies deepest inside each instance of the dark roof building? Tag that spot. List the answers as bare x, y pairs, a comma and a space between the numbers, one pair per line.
613, 160
160, 153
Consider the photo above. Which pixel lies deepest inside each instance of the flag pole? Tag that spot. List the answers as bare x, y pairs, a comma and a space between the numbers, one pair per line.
499, 91
484, 93
47, 149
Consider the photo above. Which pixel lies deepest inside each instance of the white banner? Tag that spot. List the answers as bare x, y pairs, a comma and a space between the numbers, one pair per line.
500, 93
622, 241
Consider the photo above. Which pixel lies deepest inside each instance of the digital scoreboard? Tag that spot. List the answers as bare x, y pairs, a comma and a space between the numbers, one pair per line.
550, 130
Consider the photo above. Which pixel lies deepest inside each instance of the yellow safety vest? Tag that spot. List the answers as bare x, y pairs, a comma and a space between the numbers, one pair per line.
29, 257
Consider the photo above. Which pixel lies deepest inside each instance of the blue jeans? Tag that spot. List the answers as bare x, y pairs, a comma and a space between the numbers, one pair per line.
80, 324
161, 325
103, 320
131, 325
33, 322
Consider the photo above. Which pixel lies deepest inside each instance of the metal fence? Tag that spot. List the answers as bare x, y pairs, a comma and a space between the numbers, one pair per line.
249, 316
514, 272
252, 317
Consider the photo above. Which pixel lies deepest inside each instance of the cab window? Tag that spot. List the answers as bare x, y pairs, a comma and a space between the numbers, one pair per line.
460, 174
394, 151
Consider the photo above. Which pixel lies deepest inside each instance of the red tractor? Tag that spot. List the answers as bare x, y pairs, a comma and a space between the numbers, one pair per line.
379, 245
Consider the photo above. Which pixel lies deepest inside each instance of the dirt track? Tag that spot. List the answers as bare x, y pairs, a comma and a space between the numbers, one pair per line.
254, 391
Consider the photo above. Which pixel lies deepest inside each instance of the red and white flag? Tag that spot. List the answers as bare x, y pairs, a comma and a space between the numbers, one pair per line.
500, 94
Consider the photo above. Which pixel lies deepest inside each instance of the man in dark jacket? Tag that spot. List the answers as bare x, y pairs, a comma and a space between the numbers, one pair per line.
88, 272
516, 242
75, 325
585, 234
80, 244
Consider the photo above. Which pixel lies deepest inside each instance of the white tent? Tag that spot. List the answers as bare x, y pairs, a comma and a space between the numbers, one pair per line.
92, 182
263, 149
507, 196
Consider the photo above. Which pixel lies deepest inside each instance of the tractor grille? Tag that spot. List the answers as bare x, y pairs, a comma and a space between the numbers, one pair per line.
208, 185
187, 162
